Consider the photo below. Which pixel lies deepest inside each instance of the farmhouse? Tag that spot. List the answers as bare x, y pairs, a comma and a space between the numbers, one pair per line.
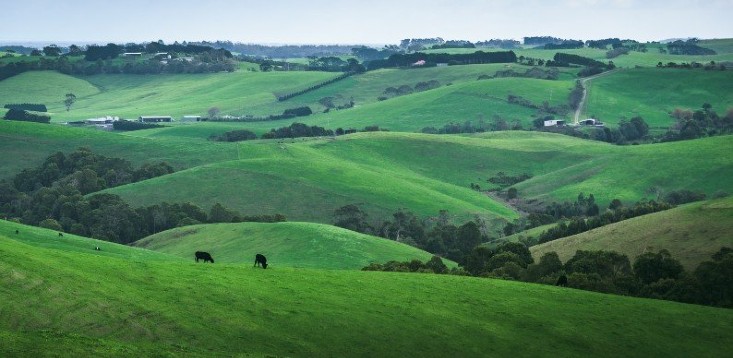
155, 119
555, 123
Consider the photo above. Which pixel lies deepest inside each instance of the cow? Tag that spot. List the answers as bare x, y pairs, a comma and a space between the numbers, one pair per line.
201, 255
562, 281
96, 248
17, 232
260, 259
61, 235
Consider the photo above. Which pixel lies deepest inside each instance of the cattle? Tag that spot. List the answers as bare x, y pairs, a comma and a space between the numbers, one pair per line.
562, 281
201, 255
96, 248
17, 232
61, 235
260, 259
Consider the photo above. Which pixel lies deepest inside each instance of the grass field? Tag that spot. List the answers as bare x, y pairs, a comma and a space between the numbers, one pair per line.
691, 233
644, 59
385, 171
56, 301
288, 244
654, 93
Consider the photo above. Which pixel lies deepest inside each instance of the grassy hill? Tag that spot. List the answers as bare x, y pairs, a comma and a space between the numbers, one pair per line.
26, 145
691, 233
645, 59
288, 244
308, 179
59, 302
654, 93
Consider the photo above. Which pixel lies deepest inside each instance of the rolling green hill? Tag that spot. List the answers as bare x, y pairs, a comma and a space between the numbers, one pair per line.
691, 233
633, 59
59, 302
287, 244
385, 171
654, 93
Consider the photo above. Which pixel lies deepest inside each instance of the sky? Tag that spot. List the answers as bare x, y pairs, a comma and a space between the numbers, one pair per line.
374, 22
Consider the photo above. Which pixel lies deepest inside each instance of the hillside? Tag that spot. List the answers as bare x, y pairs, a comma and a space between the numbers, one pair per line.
691, 233
654, 93
307, 179
288, 244
82, 304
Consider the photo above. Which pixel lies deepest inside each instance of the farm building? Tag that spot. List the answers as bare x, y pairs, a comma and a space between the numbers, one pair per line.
155, 119
591, 122
191, 118
555, 123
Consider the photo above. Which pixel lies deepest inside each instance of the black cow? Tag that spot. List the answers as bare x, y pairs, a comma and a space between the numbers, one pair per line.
260, 259
60, 234
17, 232
562, 281
201, 255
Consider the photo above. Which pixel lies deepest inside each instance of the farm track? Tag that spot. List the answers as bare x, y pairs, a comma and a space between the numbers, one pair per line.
585, 93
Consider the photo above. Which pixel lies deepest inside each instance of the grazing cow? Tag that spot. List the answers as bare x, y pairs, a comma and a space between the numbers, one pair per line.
201, 255
61, 235
562, 281
17, 232
96, 248
260, 259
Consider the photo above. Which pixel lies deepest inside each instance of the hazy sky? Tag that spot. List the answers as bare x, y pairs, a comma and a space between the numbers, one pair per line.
351, 22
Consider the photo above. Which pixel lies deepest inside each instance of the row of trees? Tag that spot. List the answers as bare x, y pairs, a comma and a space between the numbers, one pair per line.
26, 116
653, 274
35, 107
431, 59
402, 90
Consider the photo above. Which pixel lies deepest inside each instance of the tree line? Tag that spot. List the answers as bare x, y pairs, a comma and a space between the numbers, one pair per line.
431, 59
34, 107
652, 274
14, 114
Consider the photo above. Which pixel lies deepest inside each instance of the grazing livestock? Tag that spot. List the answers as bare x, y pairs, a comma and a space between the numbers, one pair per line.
260, 259
201, 255
61, 235
562, 281
17, 232
96, 248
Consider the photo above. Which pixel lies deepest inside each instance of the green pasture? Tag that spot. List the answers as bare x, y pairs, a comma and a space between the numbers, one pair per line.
306, 179
633, 59
286, 244
654, 93
64, 302
27, 145
691, 233
130, 96
306, 183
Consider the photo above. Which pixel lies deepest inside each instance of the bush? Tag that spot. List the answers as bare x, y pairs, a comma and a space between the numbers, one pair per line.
124, 125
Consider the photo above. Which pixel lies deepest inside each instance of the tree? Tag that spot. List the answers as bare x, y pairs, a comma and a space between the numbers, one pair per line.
75, 50
468, 237
651, 267
51, 51
351, 217
214, 112
69, 101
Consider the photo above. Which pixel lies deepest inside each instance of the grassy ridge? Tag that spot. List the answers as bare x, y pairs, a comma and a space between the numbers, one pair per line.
26, 145
57, 301
654, 93
304, 183
289, 244
691, 233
